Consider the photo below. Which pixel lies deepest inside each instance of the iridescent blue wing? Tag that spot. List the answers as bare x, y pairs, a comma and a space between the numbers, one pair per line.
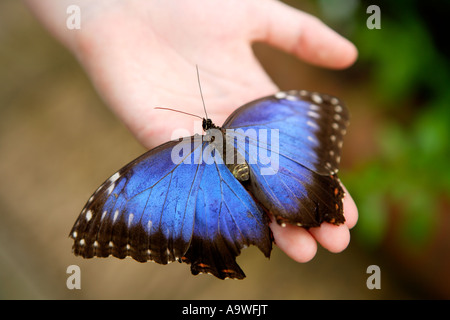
231, 221
161, 209
302, 186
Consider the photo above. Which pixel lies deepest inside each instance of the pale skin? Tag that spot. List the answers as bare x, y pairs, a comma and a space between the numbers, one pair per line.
141, 54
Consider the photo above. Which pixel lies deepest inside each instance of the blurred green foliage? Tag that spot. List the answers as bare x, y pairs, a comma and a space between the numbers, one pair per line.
409, 77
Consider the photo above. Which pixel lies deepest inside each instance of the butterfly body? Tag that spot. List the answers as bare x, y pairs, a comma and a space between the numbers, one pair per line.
202, 199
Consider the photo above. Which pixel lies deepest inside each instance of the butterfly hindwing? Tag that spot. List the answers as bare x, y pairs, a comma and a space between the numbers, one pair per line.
232, 221
297, 195
302, 187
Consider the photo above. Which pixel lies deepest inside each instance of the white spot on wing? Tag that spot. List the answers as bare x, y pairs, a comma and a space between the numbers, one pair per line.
303, 93
88, 215
116, 214
313, 114
314, 107
291, 98
130, 219
312, 124
114, 177
280, 95
149, 225
316, 98
111, 188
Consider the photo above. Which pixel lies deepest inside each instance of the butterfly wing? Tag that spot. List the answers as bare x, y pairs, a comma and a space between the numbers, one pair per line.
302, 188
232, 220
164, 209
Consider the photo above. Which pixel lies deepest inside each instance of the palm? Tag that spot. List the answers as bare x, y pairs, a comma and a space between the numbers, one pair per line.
156, 53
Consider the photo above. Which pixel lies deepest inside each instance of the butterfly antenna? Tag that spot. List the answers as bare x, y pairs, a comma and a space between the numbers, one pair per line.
190, 114
201, 93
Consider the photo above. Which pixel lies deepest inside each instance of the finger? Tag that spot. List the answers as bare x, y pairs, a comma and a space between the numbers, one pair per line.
332, 237
296, 242
336, 238
303, 35
350, 210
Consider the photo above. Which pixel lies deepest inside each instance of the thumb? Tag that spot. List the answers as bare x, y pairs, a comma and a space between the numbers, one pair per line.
303, 35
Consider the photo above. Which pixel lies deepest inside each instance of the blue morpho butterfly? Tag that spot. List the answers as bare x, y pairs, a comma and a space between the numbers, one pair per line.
191, 200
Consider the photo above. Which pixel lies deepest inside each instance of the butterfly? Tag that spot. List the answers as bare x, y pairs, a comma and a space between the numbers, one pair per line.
202, 199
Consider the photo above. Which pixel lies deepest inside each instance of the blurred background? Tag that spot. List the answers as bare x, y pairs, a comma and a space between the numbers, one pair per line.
58, 142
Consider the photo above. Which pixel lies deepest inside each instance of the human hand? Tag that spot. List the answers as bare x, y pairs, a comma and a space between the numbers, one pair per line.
142, 54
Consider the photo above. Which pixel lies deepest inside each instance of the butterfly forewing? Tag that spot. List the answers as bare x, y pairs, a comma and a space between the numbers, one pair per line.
311, 125
145, 210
